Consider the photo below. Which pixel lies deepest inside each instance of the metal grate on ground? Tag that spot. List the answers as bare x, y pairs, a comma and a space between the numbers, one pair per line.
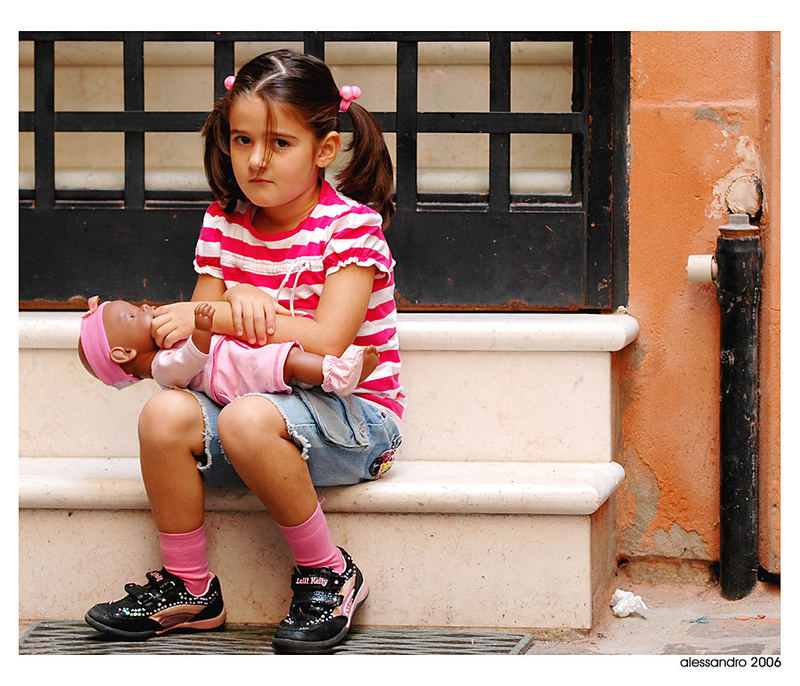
76, 638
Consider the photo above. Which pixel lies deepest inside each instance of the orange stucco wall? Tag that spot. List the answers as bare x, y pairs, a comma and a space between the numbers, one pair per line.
704, 112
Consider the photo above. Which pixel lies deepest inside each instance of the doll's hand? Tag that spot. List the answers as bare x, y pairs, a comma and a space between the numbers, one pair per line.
172, 323
203, 317
253, 312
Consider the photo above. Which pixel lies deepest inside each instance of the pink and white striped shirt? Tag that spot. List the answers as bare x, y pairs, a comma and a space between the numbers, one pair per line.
292, 266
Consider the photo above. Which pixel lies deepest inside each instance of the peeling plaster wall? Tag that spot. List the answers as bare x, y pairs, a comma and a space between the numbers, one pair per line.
703, 113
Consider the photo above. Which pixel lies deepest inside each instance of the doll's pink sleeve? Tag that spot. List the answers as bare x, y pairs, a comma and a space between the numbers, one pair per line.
178, 365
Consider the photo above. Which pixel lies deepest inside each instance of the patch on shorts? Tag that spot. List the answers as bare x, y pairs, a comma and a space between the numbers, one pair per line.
383, 463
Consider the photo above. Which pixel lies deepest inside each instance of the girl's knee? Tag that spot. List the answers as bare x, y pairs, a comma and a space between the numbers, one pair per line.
172, 416
247, 419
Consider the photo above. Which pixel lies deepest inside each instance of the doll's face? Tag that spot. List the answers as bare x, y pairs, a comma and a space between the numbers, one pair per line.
128, 326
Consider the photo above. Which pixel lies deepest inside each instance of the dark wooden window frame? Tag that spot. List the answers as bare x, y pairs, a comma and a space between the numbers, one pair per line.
494, 251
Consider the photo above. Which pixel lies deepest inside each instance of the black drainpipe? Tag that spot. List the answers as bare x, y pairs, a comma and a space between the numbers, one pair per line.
739, 262
737, 276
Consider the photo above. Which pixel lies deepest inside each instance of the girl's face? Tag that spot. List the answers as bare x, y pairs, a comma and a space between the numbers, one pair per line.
286, 186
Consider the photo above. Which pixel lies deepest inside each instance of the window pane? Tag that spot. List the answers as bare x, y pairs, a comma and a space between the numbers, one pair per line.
26, 160
89, 76
453, 163
344, 156
453, 77
541, 77
372, 66
178, 76
174, 161
26, 76
89, 160
541, 163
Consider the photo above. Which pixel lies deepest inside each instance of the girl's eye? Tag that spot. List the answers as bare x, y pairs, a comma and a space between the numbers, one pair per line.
281, 143
243, 140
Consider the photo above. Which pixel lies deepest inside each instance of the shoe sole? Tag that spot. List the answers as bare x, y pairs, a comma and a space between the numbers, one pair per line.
289, 645
200, 625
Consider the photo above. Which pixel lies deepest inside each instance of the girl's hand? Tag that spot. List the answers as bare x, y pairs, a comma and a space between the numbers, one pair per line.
172, 323
253, 312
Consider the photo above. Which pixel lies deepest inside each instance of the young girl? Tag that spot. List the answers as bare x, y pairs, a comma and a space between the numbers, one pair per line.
117, 347
277, 236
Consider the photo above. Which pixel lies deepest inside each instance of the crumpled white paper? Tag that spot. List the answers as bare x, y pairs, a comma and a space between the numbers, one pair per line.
624, 603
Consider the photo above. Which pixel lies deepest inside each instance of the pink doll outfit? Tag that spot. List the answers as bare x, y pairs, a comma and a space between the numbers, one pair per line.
232, 368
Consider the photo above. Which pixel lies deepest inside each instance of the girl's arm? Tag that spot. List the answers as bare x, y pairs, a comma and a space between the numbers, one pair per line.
342, 307
341, 311
175, 322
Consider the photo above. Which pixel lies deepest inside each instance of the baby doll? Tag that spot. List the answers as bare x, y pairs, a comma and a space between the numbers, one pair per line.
117, 347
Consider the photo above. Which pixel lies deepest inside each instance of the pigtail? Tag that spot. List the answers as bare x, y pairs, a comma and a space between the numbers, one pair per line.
216, 155
368, 176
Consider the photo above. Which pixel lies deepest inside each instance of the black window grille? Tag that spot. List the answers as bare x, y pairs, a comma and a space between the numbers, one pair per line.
490, 249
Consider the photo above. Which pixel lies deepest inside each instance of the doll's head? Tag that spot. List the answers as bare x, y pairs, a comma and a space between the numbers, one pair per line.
112, 335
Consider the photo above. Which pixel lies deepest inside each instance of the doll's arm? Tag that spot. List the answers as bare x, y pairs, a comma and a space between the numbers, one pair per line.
178, 366
203, 318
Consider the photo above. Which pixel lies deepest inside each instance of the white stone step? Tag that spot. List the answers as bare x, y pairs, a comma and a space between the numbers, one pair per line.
455, 487
441, 543
540, 385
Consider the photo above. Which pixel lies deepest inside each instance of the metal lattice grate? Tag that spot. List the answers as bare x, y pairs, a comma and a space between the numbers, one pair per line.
76, 638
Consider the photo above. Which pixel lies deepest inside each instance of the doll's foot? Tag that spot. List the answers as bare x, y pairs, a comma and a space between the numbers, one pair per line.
341, 375
370, 362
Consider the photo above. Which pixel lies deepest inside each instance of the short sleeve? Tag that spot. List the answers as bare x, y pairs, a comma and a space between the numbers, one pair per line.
358, 239
208, 249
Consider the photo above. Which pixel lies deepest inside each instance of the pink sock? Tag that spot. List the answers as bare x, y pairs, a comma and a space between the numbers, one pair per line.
184, 555
311, 543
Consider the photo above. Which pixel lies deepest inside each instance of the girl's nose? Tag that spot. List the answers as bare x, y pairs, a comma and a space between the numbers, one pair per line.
258, 159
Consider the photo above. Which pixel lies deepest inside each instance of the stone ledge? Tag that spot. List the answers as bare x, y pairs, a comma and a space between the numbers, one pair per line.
411, 487
423, 331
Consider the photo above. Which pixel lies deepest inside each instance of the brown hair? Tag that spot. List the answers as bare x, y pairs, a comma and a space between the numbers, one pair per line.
306, 84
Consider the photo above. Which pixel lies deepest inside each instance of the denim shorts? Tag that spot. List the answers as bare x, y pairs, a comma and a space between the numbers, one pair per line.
344, 440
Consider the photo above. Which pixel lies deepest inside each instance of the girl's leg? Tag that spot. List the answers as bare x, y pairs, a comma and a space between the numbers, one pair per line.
170, 435
186, 594
328, 588
255, 438
258, 445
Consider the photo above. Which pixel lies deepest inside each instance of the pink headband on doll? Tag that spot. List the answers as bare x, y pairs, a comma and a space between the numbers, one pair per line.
98, 353
348, 93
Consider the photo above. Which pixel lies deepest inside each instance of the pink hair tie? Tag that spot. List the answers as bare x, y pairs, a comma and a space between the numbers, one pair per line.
229, 81
348, 93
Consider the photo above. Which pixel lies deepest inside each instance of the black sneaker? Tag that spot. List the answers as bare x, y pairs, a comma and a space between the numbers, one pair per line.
323, 605
161, 605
